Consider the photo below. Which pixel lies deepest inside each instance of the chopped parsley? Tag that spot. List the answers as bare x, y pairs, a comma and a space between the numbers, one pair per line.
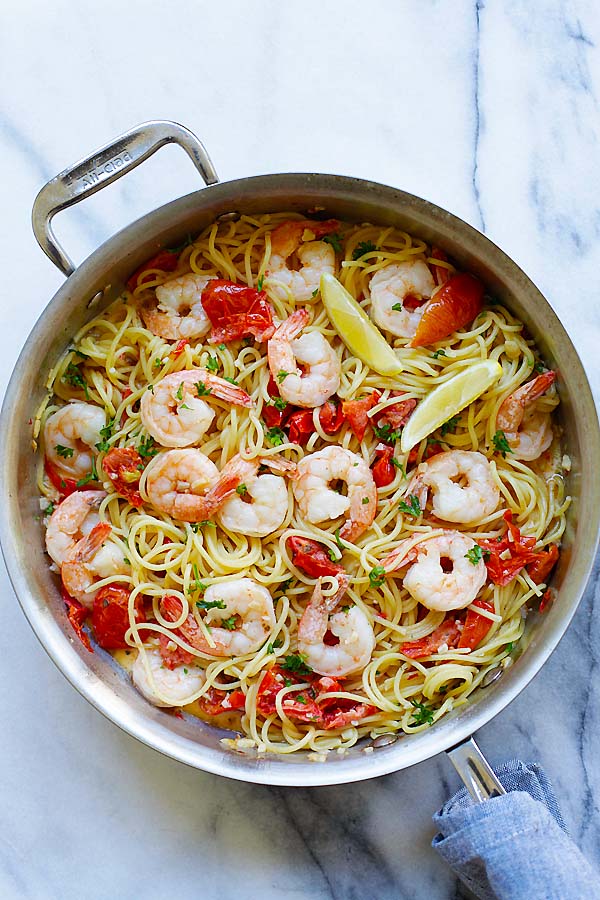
335, 240
315, 292
74, 377
179, 393
365, 500
157, 363
423, 715
65, 452
501, 445
222, 347
146, 447
397, 307
363, 248
539, 367
377, 576
412, 508
259, 283
279, 403
338, 540
210, 604
196, 526
197, 585
450, 425
92, 476
346, 609
212, 364
398, 465
387, 433
281, 376
475, 554
202, 390
332, 554
301, 699
49, 509
230, 380
285, 585
105, 434
276, 436
230, 624
437, 353
296, 662
241, 489
274, 645
509, 646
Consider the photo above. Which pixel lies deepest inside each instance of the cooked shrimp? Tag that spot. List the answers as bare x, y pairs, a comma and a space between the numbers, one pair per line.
69, 436
70, 521
319, 377
260, 503
240, 621
176, 413
179, 312
352, 628
163, 686
316, 257
318, 502
391, 287
187, 485
429, 580
527, 430
462, 485
92, 558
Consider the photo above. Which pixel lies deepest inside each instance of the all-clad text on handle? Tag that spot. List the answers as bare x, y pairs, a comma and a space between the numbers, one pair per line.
103, 167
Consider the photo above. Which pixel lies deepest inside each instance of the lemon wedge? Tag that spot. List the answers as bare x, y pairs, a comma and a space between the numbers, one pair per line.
355, 328
447, 399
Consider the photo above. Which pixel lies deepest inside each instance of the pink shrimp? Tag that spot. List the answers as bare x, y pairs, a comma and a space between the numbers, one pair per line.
527, 430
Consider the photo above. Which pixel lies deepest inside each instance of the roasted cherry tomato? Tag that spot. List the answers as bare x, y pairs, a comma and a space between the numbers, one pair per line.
476, 627
502, 568
236, 311
355, 412
216, 702
300, 426
64, 486
166, 261
446, 633
331, 417
124, 467
383, 469
312, 558
540, 568
455, 304
110, 616
77, 614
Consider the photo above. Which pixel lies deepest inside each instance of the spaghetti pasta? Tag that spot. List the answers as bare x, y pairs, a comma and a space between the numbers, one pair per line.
179, 569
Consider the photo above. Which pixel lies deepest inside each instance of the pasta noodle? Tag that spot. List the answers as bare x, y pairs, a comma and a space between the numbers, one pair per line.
116, 359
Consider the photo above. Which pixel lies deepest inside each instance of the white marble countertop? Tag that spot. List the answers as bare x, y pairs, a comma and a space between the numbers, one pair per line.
490, 109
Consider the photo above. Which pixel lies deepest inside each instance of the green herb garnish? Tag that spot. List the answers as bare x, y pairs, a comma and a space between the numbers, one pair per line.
377, 576
281, 376
279, 403
213, 364
387, 433
475, 554
397, 307
241, 489
146, 447
210, 604
276, 436
65, 452
230, 380
335, 240
74, 377
230, 623
412, 508
437, 353
501, 445
296, 662
259, 283
363, 248
105, 434
202, 390
92, 476
450, 425
423, 715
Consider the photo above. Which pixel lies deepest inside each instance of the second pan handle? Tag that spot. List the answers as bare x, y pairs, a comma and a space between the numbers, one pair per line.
475, 771
103, 167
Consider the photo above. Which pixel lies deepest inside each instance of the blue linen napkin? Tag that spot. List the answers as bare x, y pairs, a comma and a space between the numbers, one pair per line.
514, 847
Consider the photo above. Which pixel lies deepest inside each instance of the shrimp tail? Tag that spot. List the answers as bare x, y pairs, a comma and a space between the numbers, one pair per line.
223, 389
288, 236
88, 546
401, 556
292, 326
512, 408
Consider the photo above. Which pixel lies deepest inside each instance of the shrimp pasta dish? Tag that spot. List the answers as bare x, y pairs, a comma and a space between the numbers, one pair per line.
303, 481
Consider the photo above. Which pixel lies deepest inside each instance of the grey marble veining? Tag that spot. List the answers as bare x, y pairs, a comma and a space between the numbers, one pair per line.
488, 108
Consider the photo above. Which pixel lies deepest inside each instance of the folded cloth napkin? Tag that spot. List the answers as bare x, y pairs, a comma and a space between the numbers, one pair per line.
514, 847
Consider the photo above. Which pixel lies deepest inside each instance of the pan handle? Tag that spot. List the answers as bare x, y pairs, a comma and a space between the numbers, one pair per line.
476, 773
103, 167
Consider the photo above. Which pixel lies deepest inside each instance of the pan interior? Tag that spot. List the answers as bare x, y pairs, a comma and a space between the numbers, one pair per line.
98, 281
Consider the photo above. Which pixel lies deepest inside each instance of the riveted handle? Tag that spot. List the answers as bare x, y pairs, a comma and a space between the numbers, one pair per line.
103, 167
475, 771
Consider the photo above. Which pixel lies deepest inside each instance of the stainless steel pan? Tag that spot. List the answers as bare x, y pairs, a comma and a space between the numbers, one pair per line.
98, 280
